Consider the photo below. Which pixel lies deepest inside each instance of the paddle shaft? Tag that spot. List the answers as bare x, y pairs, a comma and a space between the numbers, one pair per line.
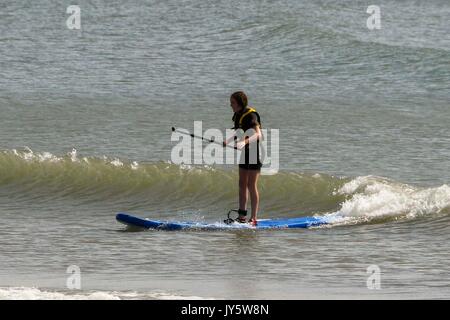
203, 138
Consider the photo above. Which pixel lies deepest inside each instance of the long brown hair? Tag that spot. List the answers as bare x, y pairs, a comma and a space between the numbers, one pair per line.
240, 98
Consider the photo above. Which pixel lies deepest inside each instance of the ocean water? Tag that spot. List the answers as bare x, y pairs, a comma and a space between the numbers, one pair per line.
85, 132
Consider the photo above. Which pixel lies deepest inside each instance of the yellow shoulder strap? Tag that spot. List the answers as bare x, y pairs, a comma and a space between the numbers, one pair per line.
250, 110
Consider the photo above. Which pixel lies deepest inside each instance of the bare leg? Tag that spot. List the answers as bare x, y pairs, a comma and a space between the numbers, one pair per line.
243, 183
253, 176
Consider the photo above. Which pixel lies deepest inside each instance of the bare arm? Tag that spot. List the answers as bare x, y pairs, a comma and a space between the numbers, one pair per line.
255, 136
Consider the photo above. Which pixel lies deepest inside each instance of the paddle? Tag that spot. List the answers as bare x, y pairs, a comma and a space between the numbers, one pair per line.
203, 138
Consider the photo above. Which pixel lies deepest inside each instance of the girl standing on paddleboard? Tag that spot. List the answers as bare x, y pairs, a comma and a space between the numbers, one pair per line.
246, 118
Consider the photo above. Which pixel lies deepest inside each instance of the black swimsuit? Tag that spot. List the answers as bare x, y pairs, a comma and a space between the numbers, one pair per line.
250, 159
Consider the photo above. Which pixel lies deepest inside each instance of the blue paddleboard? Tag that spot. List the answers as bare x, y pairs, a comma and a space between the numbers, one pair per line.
302, 222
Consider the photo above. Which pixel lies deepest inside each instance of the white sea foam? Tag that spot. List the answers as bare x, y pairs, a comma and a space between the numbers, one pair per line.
24, 293
117, 163
73, 155
134, 165
46, 157
27, 293
374, 197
